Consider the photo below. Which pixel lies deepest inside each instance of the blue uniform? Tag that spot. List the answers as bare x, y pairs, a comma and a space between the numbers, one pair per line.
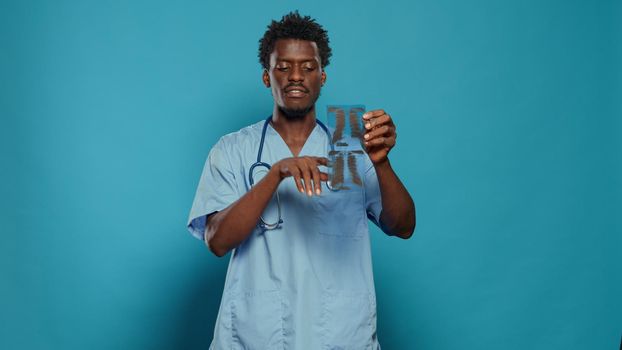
308, 284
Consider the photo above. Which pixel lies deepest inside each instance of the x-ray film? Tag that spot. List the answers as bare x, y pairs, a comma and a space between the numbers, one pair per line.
345, 158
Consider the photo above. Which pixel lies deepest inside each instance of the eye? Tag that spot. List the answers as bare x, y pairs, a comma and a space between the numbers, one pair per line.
282, 68
309, 68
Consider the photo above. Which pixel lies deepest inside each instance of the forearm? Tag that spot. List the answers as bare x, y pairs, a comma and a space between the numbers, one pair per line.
226, 229
398, 216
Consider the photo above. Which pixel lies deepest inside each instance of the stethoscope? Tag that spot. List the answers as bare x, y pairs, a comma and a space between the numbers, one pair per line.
259, 164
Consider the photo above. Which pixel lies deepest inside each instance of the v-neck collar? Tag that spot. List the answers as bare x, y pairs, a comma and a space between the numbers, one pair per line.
306, 145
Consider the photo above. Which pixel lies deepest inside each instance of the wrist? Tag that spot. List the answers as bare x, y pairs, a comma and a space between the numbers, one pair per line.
275, 173
382, 165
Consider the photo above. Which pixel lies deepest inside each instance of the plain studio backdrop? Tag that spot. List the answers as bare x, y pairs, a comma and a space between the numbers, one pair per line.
508, 115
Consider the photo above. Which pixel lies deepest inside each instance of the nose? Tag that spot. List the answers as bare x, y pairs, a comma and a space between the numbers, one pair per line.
296, 74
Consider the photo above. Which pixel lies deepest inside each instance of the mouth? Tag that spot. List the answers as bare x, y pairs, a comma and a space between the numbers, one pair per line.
296, 92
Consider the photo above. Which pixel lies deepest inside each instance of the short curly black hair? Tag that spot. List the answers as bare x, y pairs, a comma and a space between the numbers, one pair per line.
294, 26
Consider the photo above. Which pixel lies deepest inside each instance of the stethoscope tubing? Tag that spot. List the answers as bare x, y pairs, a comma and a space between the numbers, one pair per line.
263, 224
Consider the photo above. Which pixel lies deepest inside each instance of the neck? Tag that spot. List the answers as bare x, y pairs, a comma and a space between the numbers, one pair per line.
293, 129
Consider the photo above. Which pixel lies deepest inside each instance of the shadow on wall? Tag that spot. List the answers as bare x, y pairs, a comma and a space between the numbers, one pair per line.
195, 322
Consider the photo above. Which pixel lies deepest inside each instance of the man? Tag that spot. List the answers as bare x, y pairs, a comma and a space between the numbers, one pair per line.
305, 282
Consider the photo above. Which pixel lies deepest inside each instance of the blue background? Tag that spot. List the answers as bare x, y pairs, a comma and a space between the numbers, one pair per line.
509, 127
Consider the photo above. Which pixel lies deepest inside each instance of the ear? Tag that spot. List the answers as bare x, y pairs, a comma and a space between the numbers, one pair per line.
266, 78
323, 77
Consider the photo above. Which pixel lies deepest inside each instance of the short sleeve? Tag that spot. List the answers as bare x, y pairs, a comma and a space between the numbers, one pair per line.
217, 189
373, 201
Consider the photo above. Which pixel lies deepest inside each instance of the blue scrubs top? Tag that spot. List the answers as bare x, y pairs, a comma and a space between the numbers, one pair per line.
307, 284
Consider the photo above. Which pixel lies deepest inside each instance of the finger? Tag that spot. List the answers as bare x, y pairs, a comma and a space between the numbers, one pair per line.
381, 141
317, 185
322, 160
306, 175
296, 175
314, 183
323, 176
384, 130
376, 121
374, 113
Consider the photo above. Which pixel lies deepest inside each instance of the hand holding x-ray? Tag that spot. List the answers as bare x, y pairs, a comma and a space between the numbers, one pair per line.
356, 132
380, 136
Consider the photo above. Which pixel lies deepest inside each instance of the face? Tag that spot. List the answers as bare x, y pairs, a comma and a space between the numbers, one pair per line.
295, 76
